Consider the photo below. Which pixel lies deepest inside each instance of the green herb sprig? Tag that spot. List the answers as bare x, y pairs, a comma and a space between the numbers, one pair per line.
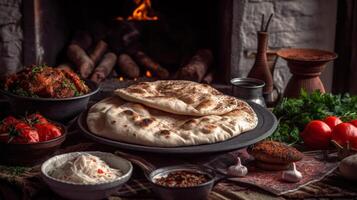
294, 114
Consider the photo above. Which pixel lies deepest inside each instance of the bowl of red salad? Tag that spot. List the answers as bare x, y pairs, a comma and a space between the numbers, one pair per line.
30, 139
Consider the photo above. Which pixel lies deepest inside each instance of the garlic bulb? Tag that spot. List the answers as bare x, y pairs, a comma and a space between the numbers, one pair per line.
292, 175
238, 169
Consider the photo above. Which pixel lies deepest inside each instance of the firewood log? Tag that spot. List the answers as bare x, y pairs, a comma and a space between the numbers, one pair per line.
208, 78
80, 58
98, 51
197, 66
82, 39
128, 66
145, 61
104, 68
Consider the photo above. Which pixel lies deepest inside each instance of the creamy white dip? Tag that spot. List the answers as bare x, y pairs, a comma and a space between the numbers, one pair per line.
86, 169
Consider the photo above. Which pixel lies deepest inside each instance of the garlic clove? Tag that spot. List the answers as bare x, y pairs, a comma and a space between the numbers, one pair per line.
238, 169
292, 175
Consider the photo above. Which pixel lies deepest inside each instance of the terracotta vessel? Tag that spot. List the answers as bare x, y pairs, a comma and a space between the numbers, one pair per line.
260, 69
306, 66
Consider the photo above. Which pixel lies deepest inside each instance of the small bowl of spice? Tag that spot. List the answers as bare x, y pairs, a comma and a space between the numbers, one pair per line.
182, 182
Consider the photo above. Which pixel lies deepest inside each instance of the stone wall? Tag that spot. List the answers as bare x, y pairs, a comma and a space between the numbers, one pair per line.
296, 23
10, 36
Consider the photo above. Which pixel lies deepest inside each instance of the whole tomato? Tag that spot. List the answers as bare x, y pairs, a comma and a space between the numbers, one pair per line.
317, 135
345, 132
22, 133
332, 121
36, 119
354, 122
47, 131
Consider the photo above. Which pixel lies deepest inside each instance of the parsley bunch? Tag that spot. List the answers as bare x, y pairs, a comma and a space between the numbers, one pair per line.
294, 114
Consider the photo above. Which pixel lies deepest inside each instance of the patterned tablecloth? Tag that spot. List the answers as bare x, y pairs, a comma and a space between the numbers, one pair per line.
320, 180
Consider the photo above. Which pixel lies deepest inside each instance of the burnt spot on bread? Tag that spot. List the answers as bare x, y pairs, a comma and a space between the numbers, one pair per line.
209, 128
135, 90
128, 112
113, 122
144, 122
189, 124
187, 99
204, 104
165, 133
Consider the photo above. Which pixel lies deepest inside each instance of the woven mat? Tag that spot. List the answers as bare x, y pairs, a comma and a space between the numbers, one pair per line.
29, 182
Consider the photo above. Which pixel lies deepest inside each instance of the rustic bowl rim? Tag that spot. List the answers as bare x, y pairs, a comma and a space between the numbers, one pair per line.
183, 167
281, 52
92, 85
118, 181
259, 83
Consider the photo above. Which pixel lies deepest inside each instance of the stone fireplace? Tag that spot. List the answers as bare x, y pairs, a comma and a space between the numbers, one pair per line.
38, 31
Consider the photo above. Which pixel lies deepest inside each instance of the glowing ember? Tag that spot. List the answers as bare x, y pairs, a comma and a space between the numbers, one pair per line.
142, 11
121, 78
148, 74
135, 79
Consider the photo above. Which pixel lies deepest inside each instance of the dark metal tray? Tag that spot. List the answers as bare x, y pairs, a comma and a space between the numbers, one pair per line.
267, 124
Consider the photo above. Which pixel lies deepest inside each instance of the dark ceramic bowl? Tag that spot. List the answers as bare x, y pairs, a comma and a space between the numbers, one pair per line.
56, 109
78, 191
30, 154
198, 192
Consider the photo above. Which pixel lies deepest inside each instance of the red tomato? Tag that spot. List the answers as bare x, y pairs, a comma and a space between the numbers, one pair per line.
23, 134
354, 122
47, 131
316, 135
332, 121
7, 123
37, 119
345, 132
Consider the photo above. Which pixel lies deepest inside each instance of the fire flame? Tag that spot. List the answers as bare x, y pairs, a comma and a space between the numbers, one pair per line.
148, 74
142, 11
121, 78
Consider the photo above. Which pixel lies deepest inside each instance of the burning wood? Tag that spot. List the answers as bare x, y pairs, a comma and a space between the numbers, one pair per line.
98, 51
104, 68
128, 66
208, 78
80, 58
145, 61
197, 66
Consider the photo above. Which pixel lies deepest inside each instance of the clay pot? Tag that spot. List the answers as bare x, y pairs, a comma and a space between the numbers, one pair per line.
306, 66
260, 69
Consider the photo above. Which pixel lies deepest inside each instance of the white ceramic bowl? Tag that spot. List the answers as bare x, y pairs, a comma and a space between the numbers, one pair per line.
78, 191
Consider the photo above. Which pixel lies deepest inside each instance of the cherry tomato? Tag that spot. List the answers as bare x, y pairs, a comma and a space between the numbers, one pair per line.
36, 119
332, 121
317, 135
47, 131
345, 132
22, 133
354, 122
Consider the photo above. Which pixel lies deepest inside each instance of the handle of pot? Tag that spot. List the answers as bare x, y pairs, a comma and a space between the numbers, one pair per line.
219, 177
146, 166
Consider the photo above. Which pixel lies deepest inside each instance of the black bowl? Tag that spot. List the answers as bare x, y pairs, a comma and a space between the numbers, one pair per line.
56, 109
199, 192
32, 153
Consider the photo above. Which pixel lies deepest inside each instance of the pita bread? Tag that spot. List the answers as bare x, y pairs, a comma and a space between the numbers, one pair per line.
130, 122
180, 97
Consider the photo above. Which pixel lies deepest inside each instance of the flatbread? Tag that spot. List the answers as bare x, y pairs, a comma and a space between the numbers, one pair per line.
130, 122
180, 97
